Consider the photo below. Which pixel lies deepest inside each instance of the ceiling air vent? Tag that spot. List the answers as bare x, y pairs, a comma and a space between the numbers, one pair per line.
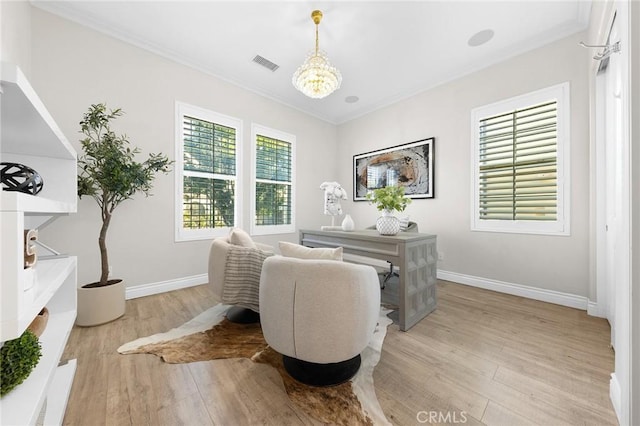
265, 63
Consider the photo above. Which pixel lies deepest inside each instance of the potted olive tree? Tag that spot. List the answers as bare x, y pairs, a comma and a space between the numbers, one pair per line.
388, 200
110, 174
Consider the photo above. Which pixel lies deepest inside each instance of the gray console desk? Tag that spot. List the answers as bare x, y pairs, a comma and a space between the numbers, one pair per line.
415, 254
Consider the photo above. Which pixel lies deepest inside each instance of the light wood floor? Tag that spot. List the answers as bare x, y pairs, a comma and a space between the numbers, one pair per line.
483, 357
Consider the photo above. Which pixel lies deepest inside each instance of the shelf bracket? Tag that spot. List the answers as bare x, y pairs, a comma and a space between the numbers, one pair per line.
54, 253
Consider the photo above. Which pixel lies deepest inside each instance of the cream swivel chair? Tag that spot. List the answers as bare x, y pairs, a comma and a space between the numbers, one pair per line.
238, 244
319, 314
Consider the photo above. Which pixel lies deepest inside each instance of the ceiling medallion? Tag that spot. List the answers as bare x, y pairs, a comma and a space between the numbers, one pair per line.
316, 77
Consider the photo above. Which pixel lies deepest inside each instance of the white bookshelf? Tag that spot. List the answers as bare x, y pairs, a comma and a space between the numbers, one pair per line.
30, 136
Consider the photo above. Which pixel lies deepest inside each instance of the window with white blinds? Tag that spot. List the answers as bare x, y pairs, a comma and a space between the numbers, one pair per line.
521, 164
207, 147
273, 172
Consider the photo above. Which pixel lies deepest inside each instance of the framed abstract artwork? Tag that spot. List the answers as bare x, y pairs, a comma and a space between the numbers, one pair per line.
410, 165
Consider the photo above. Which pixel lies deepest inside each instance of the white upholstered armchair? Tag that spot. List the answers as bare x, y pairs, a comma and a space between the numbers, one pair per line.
235, 263
320, 314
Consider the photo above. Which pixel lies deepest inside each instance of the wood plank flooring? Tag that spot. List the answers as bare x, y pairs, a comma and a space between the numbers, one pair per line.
480, 358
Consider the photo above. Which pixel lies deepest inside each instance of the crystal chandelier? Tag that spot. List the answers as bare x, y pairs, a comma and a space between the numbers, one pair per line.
316, 77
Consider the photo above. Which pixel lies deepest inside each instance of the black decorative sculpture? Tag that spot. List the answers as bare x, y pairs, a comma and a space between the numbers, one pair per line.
18, 177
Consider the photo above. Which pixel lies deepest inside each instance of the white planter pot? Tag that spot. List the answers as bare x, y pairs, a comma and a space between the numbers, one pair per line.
100, 305
388, 224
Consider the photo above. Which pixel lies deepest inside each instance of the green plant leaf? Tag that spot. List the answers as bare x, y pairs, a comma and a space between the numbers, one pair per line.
389, 198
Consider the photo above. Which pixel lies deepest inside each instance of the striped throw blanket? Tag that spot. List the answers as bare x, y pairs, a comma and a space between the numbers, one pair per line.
242, 277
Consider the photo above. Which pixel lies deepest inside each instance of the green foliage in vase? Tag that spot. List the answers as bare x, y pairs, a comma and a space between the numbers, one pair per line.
17, 358
109, 171
389, 198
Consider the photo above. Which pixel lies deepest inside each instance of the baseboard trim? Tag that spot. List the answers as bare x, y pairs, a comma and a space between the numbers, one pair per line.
544, 295
594, 310
615, 393
164, 286
551, 296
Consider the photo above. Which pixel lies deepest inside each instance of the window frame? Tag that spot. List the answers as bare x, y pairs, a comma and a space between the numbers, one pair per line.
257, 129
183, 109
561, 226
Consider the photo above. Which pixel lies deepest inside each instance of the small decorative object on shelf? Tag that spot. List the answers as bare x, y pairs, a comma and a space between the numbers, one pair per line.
387, 200
18, 357
18, 177
30, 255
347, 223
39, 323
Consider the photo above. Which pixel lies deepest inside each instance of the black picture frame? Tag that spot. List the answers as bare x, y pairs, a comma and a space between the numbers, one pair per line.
410, 165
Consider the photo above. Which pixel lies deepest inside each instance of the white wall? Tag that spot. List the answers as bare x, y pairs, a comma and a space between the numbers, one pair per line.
15, 34
74, 66
546, 262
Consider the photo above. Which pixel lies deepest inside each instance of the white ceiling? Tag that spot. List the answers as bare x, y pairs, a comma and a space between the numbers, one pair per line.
386, 50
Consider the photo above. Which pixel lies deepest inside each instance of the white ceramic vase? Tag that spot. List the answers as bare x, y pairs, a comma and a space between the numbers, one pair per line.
388, 224
347, 223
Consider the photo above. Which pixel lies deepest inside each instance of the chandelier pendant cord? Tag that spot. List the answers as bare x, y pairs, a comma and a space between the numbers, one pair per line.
316, 17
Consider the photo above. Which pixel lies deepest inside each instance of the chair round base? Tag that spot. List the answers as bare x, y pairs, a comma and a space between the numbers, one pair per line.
320, 375
240, 315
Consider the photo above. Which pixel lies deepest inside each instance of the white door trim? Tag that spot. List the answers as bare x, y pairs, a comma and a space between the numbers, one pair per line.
620, 386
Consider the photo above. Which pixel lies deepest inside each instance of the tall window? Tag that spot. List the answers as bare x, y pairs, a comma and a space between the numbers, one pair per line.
273, 192
207, 173
521, 170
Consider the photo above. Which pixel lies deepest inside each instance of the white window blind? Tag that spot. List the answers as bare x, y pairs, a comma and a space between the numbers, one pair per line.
273, 173
518, 164
208, 187
521, 157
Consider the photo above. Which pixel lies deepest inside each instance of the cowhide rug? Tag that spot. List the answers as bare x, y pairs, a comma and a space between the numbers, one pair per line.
210, 336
